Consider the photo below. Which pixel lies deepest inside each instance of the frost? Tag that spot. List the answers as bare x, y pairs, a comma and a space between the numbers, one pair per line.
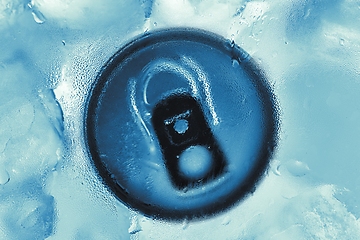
311, 212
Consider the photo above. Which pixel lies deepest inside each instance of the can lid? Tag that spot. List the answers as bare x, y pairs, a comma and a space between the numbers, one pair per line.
207, 146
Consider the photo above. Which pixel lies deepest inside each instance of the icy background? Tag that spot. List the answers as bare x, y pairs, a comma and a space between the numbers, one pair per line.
50, 52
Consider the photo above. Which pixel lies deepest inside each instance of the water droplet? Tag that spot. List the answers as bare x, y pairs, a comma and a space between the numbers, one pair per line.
239, 11
155, 24
195, 162
185, 224
4, 176
226, 221
232, 44
297, 168
38, 16
153, 165
341, 41
275, 167
235, 62
63, 42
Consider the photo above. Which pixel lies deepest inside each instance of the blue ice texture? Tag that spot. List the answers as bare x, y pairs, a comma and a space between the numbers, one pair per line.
50, 53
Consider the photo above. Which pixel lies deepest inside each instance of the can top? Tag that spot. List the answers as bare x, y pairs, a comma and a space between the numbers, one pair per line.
239, 120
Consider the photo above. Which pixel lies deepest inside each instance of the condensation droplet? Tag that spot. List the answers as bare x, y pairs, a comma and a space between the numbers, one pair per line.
297, 168
275, 167
195, 162
226, 221
38, 16
4, 176
185, 224
235, 62
341, 41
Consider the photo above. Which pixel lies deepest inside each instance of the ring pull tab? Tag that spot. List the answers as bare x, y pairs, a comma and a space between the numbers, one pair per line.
191, 152
176, 118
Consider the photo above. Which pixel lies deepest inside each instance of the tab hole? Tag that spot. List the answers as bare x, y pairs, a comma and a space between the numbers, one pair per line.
181, 126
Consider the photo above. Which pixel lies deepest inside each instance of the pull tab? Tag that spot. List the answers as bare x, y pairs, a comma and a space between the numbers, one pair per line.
190, 150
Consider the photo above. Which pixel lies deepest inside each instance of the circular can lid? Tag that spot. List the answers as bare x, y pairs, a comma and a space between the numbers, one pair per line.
180, 124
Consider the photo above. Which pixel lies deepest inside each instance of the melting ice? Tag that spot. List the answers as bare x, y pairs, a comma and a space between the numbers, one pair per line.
48, 189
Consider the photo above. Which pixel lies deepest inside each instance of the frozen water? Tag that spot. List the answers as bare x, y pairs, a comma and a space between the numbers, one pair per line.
27, 212
281, 208
50, 52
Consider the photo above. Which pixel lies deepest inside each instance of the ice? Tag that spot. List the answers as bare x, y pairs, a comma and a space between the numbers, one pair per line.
50, 53
281, 208
27, 212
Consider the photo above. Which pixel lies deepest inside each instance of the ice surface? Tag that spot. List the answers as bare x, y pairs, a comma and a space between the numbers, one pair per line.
50, 52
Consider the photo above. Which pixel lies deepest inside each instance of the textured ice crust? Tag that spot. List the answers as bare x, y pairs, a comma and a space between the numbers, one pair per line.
281, 208
50, 52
